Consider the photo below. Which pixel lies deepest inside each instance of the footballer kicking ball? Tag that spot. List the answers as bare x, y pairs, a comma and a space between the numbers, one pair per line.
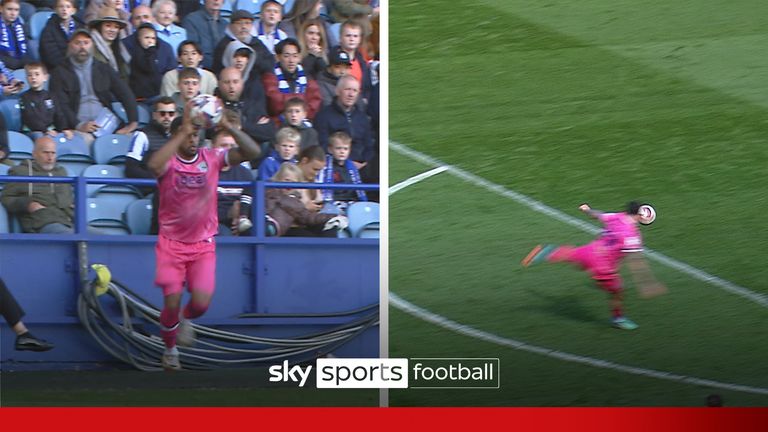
206, 110
647, 214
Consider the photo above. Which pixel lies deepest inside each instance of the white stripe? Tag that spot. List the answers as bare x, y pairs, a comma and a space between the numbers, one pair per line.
443, 322
761, 299
417, 178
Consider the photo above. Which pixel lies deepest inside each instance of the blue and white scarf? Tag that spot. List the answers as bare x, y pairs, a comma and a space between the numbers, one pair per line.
69, 28
328, 178
282, 83
18, 47
265, 37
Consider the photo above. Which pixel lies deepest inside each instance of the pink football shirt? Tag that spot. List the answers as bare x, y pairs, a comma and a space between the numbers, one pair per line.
620, 234
188, 200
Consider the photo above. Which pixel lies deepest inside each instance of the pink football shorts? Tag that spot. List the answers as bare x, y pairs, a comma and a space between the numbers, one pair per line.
179, 262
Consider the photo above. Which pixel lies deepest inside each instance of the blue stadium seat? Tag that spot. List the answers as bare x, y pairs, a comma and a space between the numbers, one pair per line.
10, 109
5, 224
138, 216
252, 6
111, 149
119, 110
107, 171
333, 34
74, 154
4, 171
20, 146
37, 23
145, 115
363, 219
107, 216
33, 50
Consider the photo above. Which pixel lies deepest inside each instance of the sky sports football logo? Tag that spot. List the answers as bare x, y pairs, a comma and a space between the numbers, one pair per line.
414, 373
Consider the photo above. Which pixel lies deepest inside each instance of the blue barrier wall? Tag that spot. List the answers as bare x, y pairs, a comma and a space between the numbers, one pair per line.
254, 275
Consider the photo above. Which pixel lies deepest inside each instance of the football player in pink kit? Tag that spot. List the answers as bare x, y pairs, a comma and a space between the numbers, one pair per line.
187, 178
601, 258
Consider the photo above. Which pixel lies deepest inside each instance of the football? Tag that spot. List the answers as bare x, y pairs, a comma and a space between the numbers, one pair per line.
206, 110
647, 214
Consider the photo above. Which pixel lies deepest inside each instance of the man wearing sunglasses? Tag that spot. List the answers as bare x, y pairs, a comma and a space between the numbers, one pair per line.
150, 138
145, 142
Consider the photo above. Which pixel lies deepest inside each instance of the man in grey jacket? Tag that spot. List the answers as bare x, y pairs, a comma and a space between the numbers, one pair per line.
41, 207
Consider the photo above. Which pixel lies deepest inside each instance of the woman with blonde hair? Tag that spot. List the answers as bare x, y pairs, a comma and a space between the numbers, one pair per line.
314, 47
301, 11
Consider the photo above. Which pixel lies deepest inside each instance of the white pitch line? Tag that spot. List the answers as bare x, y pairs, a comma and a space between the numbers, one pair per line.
417, 178
761, 299
472, 332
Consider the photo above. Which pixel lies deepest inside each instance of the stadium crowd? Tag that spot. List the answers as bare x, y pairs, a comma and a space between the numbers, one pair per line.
81, 77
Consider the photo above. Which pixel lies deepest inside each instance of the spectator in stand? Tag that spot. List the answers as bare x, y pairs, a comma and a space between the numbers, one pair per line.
46, 208
38, 110
13, 39
311, 163
56, 33
267, 29
123, 8
314, 47
234, 201
288, 81
190, 56
301, 12
286, 214
239, 56
345, 115
150, 138
83, 88
11, 86
295, 116
189, 87
253, 113
329, 79
150, 60
350, 40
339, 169
164, 12
285, 149
206, 27
240, 28
105, 32
12, 313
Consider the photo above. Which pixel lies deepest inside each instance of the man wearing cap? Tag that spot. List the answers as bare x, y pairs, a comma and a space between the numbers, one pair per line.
339, 64
287, 80
206, 28
105, 32
239, 28
82, 87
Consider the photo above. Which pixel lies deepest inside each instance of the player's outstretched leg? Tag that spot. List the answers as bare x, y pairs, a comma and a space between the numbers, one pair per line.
538, 254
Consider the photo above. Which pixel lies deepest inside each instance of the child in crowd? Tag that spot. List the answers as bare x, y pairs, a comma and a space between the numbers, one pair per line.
190, 56
287, 144
56, 33
188, 88
13, 40
38, 111
295, 116
340, 169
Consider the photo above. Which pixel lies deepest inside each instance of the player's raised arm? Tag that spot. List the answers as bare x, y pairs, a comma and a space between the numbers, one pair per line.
647, 284
247, 148
589, 211
159, 159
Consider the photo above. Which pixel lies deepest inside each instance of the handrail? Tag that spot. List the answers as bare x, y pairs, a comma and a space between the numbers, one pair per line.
257, 210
